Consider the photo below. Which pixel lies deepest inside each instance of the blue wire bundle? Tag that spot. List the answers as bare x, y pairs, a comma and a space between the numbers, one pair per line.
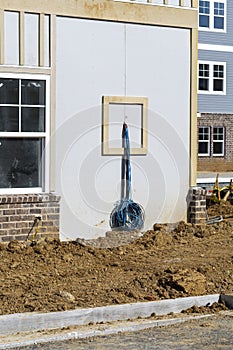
126, 215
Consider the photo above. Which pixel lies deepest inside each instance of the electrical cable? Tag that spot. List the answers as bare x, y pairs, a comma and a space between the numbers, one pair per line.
126, 215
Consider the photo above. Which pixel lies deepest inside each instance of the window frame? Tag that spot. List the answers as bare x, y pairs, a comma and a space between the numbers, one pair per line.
124, 100
212, 17
211, 77
29, 134
218, 141
206, 141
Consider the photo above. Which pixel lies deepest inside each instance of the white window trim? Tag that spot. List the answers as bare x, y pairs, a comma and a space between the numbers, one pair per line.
223, 142
208, 142
211, 16
45, 135
211, 78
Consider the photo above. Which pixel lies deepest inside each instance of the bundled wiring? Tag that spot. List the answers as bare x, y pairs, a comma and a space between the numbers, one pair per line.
126, 215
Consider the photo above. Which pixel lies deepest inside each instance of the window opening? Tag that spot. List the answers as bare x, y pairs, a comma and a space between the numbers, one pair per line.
203, 141
212, 15
218, 141
23, 132
204, 14
219, 15
204, 74
212, 77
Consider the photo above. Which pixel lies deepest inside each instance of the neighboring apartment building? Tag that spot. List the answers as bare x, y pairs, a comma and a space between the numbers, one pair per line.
215, 86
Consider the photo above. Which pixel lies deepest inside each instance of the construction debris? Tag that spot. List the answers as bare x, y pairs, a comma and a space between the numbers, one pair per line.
221, 193
218, 195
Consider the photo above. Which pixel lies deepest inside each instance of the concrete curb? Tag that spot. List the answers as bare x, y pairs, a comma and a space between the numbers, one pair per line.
28, 322
108, 330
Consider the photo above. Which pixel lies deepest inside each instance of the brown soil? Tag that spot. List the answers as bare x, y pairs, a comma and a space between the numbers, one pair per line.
167, 262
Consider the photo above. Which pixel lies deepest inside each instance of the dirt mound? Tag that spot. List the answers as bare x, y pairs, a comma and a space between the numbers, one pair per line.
215, 307
169, 261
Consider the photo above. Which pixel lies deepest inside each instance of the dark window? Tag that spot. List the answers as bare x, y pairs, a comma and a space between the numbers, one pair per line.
203, 148
211, 77
33, 92
20, 162
219, 15
204, 14
33, 119
9, 91
203, 140
212, 15
203, 83
218, 74
9, 119
218, 141
22, 110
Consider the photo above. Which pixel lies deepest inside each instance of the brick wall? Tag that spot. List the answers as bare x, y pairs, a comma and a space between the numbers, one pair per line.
218, 164
197, 206
214, 165
18, 212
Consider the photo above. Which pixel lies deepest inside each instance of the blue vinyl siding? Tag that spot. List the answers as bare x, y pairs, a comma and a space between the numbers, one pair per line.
218, 103
218, 38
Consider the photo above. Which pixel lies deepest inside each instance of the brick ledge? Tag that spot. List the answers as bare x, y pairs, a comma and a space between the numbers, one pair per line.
29, 198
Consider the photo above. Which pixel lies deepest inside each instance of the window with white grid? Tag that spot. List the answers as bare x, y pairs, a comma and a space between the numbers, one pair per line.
212, 77
204, 141
24, 132
218, 141
212, 15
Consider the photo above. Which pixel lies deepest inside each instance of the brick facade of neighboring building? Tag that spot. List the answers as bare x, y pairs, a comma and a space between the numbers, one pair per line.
217, 163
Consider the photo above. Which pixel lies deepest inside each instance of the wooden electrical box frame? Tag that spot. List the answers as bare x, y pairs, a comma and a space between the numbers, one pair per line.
127, 100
